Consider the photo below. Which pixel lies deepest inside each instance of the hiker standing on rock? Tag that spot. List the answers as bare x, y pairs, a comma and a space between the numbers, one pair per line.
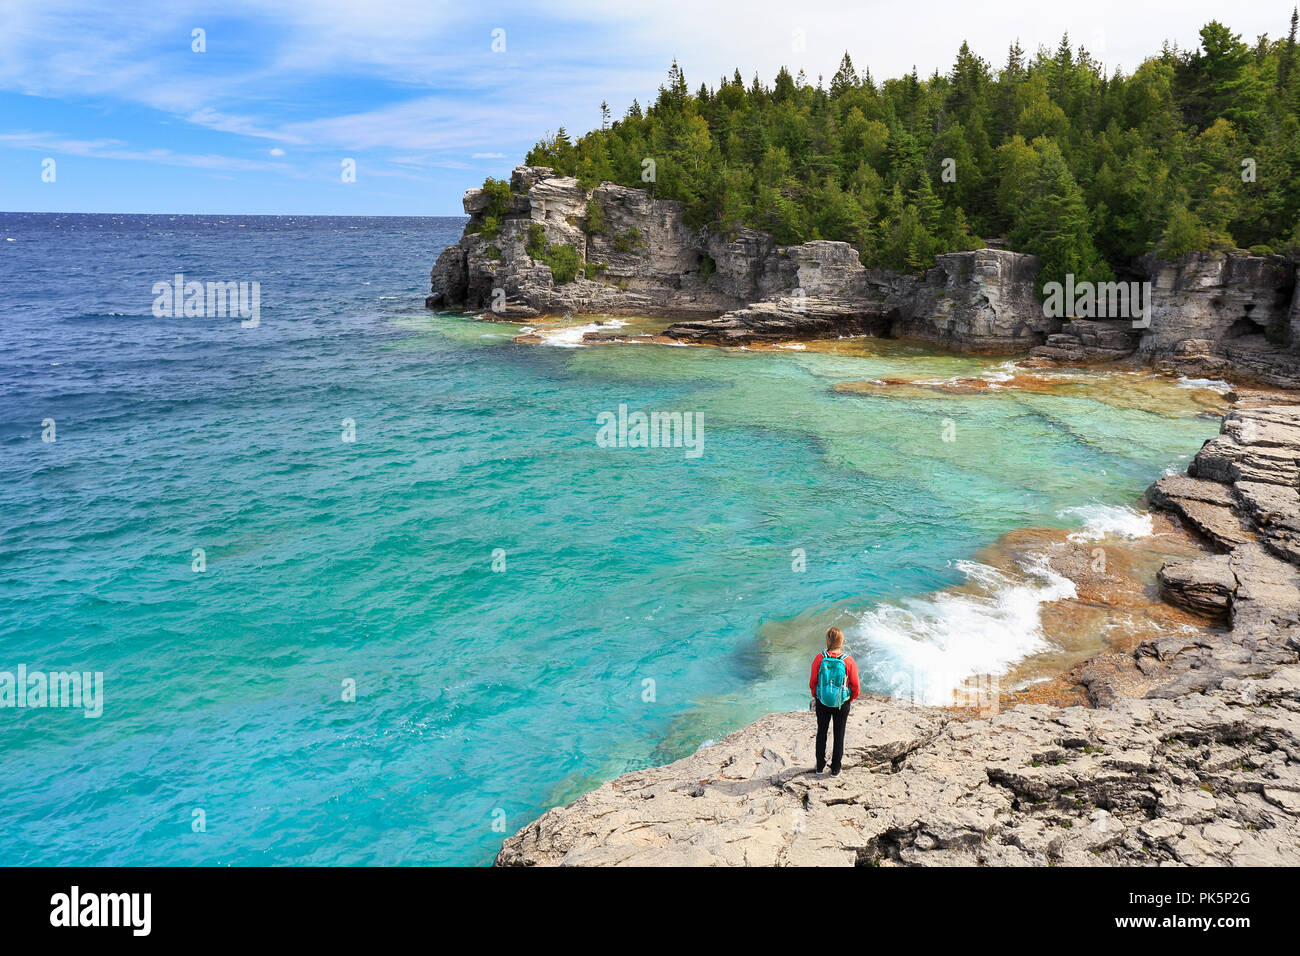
834, 684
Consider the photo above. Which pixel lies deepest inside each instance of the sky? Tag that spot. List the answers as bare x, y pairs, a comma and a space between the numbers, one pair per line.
263, 107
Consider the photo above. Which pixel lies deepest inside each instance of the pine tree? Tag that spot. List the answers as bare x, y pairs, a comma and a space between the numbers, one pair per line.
1286, 63
845, 78
1085, 168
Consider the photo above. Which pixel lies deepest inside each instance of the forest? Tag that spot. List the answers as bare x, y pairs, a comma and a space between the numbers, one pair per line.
1051, 153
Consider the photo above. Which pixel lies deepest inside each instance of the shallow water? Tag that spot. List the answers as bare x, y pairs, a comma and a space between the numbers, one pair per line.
641, 590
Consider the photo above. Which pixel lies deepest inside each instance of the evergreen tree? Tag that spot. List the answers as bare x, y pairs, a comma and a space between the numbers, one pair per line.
1085, 169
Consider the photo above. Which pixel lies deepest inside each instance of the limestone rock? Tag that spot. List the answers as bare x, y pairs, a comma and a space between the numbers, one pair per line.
1182, 781
973, 301
1086, 341
1204, 769
1205, 586
1212, 314
1216, 314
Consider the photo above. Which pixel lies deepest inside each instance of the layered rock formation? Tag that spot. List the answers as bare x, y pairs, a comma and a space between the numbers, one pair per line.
1203, 779
973, 301
641, 257
1242, 494
1204, 768
1086, 341
1212, 314
1225, 314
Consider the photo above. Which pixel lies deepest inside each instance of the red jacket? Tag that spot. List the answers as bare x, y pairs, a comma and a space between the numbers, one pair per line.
850, 666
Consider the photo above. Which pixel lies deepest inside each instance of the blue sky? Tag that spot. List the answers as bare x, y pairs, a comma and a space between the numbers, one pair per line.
262, 120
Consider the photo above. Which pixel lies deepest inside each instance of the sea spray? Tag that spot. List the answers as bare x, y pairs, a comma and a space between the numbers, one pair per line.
1100, 521
570, 336
926, 649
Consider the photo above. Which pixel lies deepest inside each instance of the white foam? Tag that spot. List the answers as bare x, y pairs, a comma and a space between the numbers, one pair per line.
924, 649
1100, 521
1214, 384
1003, 373
995, 376
570, 337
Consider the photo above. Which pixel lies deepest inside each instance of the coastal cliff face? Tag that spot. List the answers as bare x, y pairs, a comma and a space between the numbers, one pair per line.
1211, 314
640, 256
1225, 315
1202, 769
979, 301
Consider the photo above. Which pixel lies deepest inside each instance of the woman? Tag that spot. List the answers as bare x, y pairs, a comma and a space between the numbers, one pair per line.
834, 684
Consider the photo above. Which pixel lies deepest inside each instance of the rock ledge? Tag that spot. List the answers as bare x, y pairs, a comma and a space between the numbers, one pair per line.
1202, 770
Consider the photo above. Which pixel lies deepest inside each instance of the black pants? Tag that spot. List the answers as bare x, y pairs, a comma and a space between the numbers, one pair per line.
824, 716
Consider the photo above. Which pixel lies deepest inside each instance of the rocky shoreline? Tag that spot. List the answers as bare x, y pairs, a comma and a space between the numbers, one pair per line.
1214, 315
1188, 748
1189, 754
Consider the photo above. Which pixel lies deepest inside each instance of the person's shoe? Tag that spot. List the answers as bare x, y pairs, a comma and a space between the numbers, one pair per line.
835, 773
819, 770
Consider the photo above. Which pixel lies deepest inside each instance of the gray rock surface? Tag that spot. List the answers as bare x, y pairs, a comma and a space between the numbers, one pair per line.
744, 287
972, 301
1202, 769
1085, 341
1216, 315
1219, 298
1197, 779
1212, 314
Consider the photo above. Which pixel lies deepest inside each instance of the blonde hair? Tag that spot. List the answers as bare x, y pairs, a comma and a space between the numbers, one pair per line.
834, 639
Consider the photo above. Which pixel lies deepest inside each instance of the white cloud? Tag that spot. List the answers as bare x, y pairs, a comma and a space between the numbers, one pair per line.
428, 85
57, 144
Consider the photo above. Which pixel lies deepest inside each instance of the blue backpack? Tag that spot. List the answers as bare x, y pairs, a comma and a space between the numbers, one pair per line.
833, 681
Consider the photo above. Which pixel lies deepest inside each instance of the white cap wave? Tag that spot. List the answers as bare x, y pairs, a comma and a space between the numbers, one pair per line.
571, 336
1117, 521
925, 649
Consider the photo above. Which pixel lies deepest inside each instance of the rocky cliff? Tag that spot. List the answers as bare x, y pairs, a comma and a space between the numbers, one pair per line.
972, 301
1217, 314
1202, 769
640, 256
1211, 314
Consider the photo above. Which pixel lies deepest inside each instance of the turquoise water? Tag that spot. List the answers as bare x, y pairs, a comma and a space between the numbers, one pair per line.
482, 696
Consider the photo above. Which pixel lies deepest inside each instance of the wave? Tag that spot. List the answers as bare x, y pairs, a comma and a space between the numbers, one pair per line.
925, 649
1214, 384
1100, 521
570, 337
995, 376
